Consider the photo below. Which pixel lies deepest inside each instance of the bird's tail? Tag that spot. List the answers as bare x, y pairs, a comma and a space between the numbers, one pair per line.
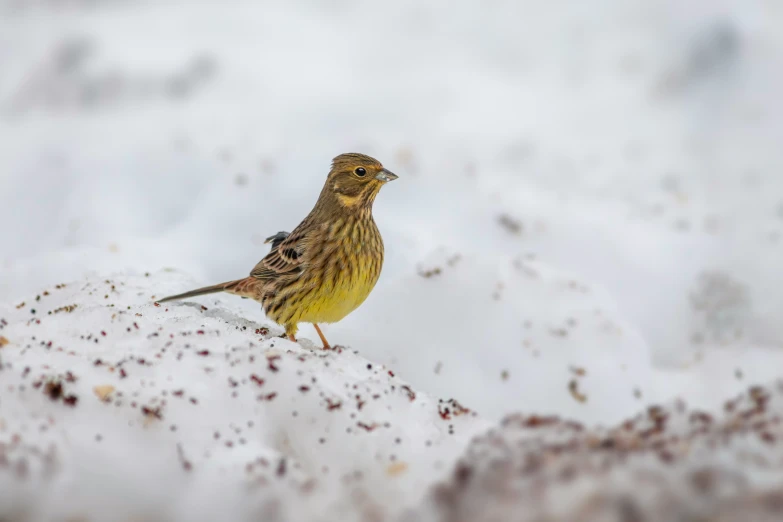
230, 286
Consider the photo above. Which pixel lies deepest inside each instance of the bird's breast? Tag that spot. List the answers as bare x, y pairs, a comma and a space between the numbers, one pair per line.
351, 266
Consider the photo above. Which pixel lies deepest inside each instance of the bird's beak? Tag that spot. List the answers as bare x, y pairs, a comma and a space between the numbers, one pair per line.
385, 176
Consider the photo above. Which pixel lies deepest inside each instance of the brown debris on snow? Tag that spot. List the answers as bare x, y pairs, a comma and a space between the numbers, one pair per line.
103, 392
668, 463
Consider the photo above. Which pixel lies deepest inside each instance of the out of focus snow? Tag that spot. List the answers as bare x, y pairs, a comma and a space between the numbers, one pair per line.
588, 220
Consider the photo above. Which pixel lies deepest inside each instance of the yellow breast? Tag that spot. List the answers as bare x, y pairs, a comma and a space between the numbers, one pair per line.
349, 276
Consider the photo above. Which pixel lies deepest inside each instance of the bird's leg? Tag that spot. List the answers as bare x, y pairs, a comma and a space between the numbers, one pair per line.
323, 339
290, 332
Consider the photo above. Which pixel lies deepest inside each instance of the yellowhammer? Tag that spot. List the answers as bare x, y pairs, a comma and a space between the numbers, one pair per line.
329, 264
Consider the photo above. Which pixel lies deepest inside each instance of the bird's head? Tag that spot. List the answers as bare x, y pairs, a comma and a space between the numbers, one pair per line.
355, 179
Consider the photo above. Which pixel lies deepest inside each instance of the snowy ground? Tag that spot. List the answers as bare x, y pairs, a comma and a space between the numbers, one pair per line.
113, 408
112, 405
588, 220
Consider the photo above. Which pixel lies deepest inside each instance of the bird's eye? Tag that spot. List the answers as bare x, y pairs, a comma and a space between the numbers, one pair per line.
360, 171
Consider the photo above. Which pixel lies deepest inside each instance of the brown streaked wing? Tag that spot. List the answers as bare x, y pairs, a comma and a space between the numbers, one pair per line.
284, 258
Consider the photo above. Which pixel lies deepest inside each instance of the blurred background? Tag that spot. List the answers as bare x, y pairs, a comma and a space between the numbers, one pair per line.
590, 185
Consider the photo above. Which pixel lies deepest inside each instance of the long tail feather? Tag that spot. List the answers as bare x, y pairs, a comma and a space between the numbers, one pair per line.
222, 287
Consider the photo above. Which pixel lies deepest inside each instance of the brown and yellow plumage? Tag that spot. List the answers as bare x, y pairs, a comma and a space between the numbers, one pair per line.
328, 265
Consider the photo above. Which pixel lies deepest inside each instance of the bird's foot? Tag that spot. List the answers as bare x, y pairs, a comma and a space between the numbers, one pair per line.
327, 346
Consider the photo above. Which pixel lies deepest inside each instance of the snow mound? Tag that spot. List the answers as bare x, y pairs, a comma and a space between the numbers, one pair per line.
539, 337
111, 404
668, 463
113, 407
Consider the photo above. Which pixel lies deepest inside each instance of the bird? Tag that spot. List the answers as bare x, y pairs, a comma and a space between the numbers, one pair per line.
327, 266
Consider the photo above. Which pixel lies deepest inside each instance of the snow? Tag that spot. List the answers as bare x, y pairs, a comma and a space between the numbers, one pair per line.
669, 463
588, 221
118, 405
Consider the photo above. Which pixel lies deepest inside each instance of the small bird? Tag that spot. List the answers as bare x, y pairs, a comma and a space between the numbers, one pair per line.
329, 264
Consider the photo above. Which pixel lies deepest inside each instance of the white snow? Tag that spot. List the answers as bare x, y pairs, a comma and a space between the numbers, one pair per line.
588, 220
156, 406
669, 463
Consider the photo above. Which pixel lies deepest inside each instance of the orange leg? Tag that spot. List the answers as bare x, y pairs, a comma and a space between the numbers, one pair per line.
292, 338
323, 339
